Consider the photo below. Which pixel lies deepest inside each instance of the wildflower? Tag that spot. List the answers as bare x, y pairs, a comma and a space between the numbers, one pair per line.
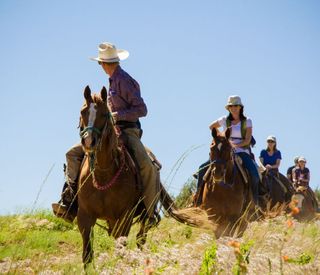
237, 251
234, 244
148, 270
289, 223
285, 258
295, 210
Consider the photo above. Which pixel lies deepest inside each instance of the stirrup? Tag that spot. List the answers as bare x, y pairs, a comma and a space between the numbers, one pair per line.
62, 211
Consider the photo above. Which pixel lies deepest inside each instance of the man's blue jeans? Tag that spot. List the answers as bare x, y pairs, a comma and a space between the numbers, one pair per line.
249, 164
202, 171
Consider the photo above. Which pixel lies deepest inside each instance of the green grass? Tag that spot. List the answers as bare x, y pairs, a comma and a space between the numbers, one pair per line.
39, 241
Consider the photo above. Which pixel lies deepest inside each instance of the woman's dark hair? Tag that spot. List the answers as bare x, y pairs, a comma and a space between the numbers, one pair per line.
242, 116
274, 148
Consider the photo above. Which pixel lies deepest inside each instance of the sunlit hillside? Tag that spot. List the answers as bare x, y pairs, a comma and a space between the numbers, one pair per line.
39, 243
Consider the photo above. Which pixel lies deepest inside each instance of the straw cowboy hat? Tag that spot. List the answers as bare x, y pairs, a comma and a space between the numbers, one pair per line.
108, 53
272, 138
234, 100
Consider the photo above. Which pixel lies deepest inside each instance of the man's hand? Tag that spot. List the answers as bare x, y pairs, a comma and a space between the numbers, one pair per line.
114, 116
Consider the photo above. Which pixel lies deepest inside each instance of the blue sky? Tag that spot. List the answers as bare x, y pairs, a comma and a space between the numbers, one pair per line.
188, 57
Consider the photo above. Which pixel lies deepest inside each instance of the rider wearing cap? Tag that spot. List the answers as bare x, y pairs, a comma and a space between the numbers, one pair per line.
270, 157
301, 174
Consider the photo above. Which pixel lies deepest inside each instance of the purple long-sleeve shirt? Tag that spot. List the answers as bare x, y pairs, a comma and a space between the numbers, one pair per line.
124, 97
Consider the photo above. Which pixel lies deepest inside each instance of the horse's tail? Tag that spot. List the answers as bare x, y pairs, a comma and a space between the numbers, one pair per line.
191, 216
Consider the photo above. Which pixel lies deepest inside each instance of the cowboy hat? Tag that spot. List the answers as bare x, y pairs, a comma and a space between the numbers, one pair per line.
108, 53
234, 100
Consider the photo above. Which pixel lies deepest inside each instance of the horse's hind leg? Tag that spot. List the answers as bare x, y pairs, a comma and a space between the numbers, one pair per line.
142, 234
85, 225
122, 226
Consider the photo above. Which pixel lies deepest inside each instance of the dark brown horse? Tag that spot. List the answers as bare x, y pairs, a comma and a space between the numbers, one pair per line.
108, 187
227, 198
279, 191
304, 205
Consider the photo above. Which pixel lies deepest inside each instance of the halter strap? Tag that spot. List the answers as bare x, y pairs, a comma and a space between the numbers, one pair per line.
90, 128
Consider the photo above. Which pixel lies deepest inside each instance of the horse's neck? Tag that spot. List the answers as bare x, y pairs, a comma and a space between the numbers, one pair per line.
108, 155
231, 171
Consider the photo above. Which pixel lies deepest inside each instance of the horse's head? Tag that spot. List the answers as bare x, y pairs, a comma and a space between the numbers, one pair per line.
94, 118
220, 154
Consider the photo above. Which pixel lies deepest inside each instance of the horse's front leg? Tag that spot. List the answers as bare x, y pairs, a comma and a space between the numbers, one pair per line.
85, 225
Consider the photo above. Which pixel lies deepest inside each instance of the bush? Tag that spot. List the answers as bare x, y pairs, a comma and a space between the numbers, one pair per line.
185, 196
317, 193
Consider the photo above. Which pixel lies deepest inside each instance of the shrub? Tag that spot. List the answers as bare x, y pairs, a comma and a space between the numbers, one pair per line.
185, 196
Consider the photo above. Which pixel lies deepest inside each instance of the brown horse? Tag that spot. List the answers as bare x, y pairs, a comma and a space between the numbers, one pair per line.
279, 192
227, 198
306, 204
108, 188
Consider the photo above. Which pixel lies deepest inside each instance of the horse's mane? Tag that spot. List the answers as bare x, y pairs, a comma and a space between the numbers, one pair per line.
110, 130
98, 100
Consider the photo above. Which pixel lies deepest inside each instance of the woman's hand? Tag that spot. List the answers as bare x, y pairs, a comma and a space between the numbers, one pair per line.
268, 166
234, 145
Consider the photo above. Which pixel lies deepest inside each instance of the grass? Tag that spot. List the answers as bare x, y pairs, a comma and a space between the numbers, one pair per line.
38, 241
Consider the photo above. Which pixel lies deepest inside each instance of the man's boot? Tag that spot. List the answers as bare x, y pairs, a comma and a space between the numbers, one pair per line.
66, 208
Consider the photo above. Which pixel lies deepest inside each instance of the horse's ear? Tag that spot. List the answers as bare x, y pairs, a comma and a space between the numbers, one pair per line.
103, 93
227, 133
87, 94
214, 133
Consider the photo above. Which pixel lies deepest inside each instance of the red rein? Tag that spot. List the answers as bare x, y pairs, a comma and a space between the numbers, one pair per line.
105, 186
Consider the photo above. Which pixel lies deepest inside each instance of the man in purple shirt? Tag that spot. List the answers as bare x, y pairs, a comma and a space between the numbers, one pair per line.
127, 106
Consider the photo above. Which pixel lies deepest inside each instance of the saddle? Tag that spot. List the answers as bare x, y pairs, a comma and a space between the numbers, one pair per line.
132, 163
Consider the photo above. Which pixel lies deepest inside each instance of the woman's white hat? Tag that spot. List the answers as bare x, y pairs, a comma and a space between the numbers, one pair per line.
303, 159
272, 138
234, 100
108, 53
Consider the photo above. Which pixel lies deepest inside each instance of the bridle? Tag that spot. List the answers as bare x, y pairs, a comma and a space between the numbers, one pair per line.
223, 162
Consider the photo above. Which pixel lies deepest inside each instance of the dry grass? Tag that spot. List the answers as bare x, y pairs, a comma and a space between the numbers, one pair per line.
43, 244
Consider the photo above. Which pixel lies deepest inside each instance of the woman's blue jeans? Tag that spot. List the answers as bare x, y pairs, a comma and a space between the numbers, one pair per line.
249, 164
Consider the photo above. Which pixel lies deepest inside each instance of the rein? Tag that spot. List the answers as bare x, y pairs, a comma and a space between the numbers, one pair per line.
109, 184
105, 186
234, 170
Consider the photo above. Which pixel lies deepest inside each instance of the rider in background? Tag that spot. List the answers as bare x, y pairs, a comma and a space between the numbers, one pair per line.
270, 157
301, 174
290, 169
240, 139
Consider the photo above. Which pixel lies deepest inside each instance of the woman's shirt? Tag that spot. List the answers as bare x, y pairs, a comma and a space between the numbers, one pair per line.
299, 174
236, 136
271, 160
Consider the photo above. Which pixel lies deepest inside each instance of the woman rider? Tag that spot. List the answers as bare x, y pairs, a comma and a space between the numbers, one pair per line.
301, 174
240, 139
270, 158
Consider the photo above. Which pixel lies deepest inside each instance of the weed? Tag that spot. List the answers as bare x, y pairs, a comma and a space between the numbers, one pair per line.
242, 253
209, 261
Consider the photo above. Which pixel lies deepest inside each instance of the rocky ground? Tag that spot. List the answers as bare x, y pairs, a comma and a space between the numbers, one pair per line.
42, 244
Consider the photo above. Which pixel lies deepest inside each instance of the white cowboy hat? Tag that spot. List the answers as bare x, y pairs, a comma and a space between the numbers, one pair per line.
272, 138
234, 100
108, 53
